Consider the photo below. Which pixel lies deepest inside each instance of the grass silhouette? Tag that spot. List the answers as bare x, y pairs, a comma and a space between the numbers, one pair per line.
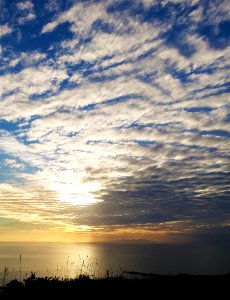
117, 286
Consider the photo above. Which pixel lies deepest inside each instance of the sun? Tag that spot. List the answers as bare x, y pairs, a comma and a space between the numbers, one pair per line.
78, 198
78, 193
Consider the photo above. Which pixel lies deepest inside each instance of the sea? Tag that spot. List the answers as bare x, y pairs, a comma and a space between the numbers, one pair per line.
69, 260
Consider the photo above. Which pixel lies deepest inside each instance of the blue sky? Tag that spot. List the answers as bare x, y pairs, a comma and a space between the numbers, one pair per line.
114, 119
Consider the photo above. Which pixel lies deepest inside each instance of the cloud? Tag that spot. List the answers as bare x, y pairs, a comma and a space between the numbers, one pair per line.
30, 17
5, 30
49, 27
32, 81
15, 148
27, 5
116, 126
52, 5
27, 10
81, 16
13, 164
26, 59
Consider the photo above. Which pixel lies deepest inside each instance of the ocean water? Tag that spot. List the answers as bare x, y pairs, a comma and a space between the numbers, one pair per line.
73, 259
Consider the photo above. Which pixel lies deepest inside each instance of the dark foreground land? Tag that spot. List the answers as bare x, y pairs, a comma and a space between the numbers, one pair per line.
141, 286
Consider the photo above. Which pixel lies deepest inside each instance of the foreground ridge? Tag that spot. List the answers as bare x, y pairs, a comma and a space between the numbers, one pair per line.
149, 284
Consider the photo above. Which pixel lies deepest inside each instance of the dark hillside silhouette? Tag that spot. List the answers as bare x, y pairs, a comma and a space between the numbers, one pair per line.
181, 285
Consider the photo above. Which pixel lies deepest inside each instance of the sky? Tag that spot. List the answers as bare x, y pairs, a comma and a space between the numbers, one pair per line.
114, 120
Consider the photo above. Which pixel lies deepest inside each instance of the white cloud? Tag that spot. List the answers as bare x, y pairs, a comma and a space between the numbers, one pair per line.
81, 16
27, 5
197, 14
24, 58
14, 164
30, 17
33, 80
5, 30
10, 145
147, 3
218, 12
124, 46
52, 5
204, 53
49, 27
27, 12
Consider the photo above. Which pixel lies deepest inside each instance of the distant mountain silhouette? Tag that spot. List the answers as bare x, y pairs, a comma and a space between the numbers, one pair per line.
134, 241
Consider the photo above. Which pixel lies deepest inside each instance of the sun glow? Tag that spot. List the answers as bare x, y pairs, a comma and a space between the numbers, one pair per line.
79, 193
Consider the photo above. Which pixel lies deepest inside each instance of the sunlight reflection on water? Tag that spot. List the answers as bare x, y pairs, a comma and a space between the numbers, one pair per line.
69, 260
